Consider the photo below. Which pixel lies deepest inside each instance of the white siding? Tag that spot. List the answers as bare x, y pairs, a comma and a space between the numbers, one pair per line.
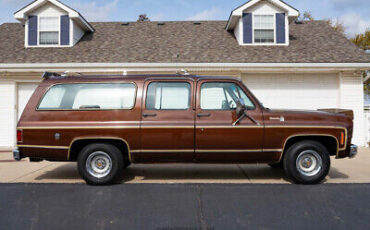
48, 9
238, 31
7, 114
77, 32
294, 91
352, 97
265, 8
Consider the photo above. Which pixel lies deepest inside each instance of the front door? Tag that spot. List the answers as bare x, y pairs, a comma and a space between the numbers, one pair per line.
217, 140
167, 127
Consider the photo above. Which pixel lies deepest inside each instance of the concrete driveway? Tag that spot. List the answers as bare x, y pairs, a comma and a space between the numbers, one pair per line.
355, 170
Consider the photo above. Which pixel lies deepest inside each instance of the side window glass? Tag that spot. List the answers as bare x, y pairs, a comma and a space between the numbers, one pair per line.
222, 96
95, 96
105, 96
168, 96
53, 98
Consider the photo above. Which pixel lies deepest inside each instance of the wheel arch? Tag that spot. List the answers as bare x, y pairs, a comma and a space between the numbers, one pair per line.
79, 143
330, 142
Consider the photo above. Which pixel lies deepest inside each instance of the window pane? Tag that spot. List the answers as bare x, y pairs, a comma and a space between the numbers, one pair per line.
49, 38
264, 22
90, 96
168, 96
53, 98
264, 36
222, 96
49, 23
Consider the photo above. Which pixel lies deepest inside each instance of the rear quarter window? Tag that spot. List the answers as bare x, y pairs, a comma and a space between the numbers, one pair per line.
89, 96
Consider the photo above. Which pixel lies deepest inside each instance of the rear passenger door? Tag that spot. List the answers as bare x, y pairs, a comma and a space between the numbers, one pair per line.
167, 125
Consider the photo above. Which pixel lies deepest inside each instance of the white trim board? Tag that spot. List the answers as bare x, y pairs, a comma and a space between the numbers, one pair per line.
120, 65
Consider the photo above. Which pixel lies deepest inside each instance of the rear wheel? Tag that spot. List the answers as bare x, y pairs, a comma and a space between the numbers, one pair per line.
307, 162
100, 164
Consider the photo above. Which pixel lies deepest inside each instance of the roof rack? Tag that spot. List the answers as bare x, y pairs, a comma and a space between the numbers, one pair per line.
51, 75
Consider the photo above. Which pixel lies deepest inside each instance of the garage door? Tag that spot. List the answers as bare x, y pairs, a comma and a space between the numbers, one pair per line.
294, 91
25, 91
7, 114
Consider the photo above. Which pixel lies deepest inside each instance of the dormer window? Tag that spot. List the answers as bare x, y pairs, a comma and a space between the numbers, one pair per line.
263, 27
49, 30
262, 22
50, 23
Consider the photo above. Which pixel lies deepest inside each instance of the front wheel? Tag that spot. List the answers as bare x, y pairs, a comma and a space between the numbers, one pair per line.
100, 164
307, 162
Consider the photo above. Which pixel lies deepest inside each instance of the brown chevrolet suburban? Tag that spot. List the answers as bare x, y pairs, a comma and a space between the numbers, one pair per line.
105, 123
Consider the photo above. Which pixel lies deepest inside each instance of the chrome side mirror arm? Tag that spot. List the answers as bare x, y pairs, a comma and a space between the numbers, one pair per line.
245, 114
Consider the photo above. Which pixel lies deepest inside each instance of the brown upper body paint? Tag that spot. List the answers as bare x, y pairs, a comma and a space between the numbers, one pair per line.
177, 136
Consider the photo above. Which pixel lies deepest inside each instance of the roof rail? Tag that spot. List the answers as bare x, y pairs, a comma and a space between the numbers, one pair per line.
51, 75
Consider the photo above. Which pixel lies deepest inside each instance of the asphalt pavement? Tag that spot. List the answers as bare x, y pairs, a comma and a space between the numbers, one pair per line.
184, 206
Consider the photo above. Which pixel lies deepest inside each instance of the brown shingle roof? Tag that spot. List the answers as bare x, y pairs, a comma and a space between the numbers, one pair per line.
182, 42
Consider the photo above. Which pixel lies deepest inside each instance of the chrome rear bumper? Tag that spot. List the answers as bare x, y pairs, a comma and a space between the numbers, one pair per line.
353, 151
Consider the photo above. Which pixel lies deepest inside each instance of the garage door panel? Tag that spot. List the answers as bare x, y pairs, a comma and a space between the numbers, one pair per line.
7, 114
294, 91
25, 91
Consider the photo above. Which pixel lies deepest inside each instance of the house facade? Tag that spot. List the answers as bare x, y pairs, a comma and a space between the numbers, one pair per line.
286, 63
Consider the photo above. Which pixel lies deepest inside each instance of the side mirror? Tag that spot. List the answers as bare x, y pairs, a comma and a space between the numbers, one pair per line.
240, 108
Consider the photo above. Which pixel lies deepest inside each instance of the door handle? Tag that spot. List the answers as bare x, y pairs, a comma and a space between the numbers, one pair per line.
149, 114
203, 115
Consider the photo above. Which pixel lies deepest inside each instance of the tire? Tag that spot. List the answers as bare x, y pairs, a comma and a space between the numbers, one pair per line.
100, 164
307, 162
277, 165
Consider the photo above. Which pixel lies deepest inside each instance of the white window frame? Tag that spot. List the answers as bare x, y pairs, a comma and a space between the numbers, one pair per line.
274, 30
39, 31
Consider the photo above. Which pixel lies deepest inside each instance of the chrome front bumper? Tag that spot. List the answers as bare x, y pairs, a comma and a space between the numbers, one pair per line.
17, 155
353, 151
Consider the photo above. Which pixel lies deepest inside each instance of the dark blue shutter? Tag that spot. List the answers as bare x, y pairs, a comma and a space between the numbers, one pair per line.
247, 28
64, 30
32, 30
280, 28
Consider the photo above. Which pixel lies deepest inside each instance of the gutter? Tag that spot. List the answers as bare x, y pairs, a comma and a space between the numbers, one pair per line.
190, 67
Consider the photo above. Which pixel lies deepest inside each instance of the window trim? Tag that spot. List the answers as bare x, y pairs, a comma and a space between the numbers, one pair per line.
254, 29
92, 109
166, 81
235, 83
39, 31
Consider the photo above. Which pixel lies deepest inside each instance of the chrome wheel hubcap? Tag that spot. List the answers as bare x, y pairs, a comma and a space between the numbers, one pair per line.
99, 164
309, 163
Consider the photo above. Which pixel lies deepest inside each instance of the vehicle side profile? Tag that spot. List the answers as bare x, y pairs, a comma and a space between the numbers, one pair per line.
105, 123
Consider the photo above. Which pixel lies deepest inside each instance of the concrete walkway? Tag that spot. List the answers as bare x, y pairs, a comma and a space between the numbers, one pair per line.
355, 170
